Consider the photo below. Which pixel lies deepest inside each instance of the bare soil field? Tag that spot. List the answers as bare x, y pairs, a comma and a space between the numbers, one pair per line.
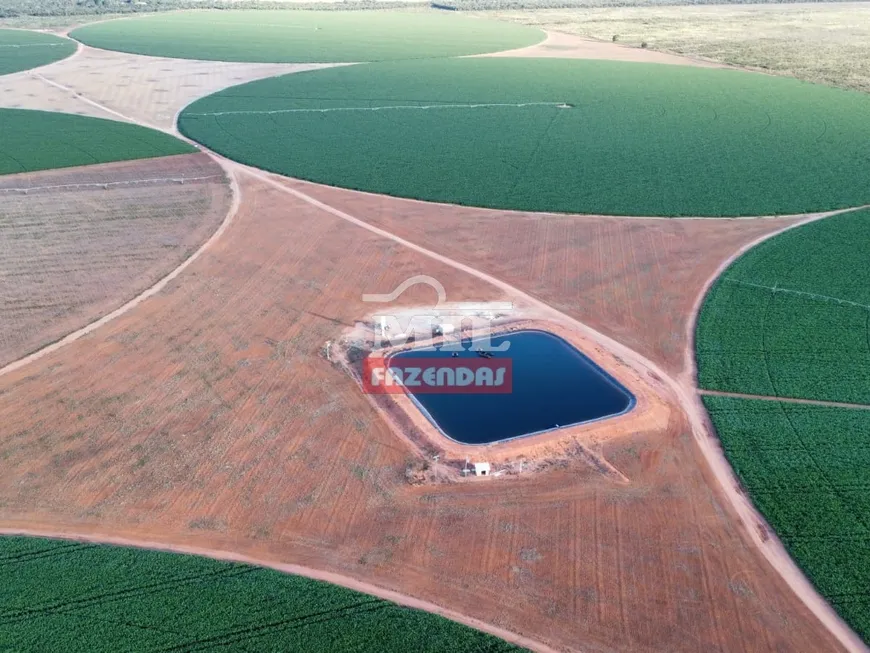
147, 89
208, 416
571, 46
634, 279
77, 243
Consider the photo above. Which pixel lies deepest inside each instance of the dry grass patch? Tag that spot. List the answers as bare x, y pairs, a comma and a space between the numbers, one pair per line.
824, 43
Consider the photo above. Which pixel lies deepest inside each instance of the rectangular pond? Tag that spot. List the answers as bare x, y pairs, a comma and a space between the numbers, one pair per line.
549, 385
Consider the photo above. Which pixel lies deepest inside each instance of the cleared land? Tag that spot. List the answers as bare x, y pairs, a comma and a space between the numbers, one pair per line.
149, 89
826, 43
306, 36
569, 46
39, 140
76, 244
598, 137
209, 415
807, 469
21, 50
115, 598
790, 318
634, 280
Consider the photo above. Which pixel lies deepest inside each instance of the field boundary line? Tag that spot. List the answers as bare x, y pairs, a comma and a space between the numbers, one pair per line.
33, 45
30, 72
770, 547
788, 291
702, 429
787, 400
759, 530
483, 105
106, 184
141, 297
297, 570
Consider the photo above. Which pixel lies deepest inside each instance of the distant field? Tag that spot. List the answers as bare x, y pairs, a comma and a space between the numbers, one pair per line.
636, 139
66, 596
823, 42
21, 50
807, 469
790, 318
306, 36
39, 140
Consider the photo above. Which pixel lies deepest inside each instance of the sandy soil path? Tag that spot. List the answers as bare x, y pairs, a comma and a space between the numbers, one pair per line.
702, 431
315, 574
570, 46
763, 536
787, 400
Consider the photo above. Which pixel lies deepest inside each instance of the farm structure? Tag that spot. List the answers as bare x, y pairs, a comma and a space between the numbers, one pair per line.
217, 414
633, 279
201, 449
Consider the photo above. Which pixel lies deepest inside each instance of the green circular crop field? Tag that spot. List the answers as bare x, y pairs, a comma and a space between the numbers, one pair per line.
554, 135
22, 50
306, 36
42, 140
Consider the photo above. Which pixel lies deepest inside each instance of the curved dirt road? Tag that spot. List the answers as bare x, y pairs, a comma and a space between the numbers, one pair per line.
683, 388
298, 570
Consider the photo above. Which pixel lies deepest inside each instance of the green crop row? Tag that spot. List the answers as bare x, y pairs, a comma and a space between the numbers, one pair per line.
306, 36
791, 318
807, 469
22, 50
553, 135
40, 140
64, 596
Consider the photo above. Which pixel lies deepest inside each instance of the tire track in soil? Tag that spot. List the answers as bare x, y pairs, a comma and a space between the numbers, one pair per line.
684, 386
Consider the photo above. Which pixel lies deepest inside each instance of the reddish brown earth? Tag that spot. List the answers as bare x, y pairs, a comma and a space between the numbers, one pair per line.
635, 280
77, 243
208, 416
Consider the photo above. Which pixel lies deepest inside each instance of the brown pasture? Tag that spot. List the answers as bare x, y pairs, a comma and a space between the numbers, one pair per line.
633, 279
76, 244
209, 416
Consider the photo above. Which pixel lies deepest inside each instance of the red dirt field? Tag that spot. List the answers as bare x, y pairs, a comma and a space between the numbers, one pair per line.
208, 416
77, 243
633, 279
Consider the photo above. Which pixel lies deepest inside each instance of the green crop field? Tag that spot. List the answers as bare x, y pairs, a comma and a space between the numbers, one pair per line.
307, 36
553, 135
791, 317
41, 140
807, 469
66, 596
21, 50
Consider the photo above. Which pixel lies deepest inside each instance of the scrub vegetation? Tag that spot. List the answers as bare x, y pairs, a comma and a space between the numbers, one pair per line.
22, 50
41, 140
306, 36
807, 469
790, 317
823, 42
60, 595
583, 136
